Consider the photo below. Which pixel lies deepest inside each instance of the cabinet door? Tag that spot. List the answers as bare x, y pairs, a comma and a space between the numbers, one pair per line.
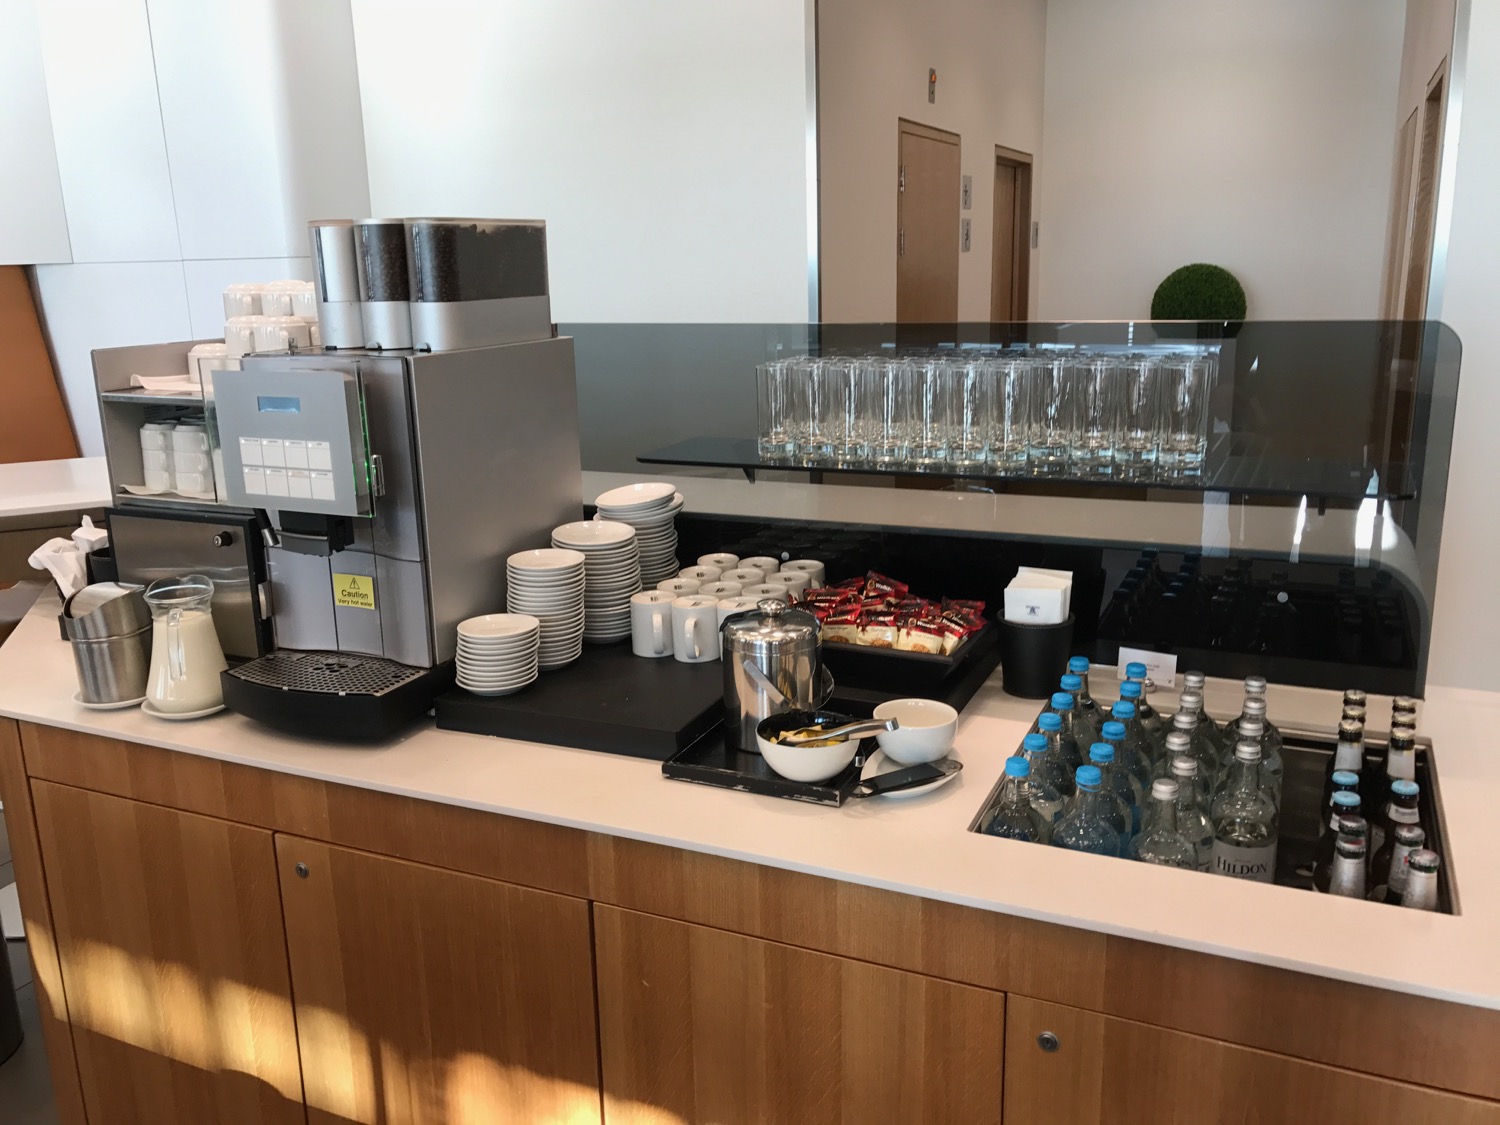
701, 1025
426, 996
169, 936
1105, 1070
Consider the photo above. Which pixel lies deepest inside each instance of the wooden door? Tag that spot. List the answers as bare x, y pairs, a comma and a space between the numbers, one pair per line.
927, 205
427, 996
169, 936
699, 1025
1114, 1071
1010, 267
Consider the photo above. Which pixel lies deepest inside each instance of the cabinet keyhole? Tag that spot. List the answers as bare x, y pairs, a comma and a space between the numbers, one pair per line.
302, 871
1048, 1042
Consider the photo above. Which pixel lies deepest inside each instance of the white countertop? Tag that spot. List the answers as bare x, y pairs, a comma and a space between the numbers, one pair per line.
918, 846
30, 488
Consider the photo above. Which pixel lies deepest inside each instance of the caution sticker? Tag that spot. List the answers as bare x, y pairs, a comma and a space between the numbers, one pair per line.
354, 591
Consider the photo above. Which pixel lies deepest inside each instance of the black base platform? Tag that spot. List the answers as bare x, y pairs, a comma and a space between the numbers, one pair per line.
711, 761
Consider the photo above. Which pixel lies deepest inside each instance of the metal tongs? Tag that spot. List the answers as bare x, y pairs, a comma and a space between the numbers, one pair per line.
803, 735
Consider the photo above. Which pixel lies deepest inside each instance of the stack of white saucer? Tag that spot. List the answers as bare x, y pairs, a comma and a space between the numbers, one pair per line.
548, 584
650, 508
612, 574
497, 653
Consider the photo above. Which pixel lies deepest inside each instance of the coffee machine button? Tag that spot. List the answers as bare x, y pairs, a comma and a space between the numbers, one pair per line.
273, 452
276, 484
299, 487
296, 454
322, 486
255, 480
250, 451
320, 456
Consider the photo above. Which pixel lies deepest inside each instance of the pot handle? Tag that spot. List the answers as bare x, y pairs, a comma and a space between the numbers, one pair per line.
825, 689
763, 682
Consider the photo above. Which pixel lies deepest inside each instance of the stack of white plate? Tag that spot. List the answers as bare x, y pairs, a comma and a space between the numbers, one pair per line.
612, 573
497, 653
548, 584
651, 509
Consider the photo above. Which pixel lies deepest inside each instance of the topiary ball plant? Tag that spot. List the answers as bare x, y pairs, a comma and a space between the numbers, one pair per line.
1199, 292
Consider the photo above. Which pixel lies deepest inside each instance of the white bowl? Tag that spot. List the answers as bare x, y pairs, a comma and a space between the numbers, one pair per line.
925, 734
805, 763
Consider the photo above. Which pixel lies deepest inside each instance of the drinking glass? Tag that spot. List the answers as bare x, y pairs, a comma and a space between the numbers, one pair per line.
797, 373
932, 418
851, 398
1010, 410
969, 412
1135, 456
1186, 383
1049, 437
773, 409
891, 432
1094, 404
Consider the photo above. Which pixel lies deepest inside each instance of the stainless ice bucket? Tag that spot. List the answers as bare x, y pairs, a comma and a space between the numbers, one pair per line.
772, 664
113, 669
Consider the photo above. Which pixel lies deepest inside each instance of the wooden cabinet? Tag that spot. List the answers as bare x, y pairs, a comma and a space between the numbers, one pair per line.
426, 996
168, 931
1119, 1072
700, 1025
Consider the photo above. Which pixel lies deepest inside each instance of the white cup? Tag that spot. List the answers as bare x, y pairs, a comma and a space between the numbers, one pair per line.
766, 590
239, 334
745, 575
721, 589
189, 438
763, 563
678, 587
793, 581
701, 573
695, 629
242, 299
721, 559
813, 568
651, 623
728, 607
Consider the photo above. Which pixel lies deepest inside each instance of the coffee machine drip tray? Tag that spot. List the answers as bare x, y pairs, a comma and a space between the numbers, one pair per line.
334, 695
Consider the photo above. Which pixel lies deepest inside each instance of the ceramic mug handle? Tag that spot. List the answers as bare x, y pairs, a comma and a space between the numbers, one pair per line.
659, 633
693, 631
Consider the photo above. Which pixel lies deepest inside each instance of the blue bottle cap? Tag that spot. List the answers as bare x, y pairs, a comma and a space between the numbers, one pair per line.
1017, 767
1404, 788
1346, 798
1135, 670
1034, 741
1088, 776
1130, 689
1123, 709
1050, 720
1101, 752
1078, 665
1113, 731
1345, 777
1071, 682
1062, 701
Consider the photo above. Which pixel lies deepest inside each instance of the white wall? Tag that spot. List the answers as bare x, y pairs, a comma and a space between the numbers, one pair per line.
194, 142
33, 226
663, 141
873, 58
1256, 135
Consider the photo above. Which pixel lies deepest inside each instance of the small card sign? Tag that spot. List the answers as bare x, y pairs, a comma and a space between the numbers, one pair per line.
1161, 667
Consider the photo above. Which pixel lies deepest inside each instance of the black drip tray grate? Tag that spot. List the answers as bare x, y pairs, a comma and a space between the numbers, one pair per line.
327, 673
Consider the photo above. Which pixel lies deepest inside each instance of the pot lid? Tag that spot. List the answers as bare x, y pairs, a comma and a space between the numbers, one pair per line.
772, 624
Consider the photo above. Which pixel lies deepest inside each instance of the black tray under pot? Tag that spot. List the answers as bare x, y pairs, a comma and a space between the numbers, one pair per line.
711, 761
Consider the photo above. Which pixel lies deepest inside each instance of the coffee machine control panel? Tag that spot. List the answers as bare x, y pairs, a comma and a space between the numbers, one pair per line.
293, 441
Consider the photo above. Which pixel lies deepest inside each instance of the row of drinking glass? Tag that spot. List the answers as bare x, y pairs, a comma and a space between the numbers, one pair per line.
1062, 413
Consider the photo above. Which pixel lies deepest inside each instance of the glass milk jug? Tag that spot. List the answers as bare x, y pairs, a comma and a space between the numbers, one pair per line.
185, 655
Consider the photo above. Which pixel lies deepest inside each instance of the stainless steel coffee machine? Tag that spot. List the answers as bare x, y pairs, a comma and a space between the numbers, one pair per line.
394, 485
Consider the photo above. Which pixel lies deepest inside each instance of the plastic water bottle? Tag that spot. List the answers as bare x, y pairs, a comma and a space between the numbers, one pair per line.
1086, 723
1046, 772
1139, 745
1192, 811
1066, 751
1074, 746
1126, 789
1160, 840
1151, 720
1015, 816
1085, 827
1079, 666
1131, 692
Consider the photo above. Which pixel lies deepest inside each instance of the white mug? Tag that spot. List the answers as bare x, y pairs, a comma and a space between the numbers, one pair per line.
795, 582
814, 570
695, 629
745, 575
678, 587
721, 559
763, 563
701, 573
766, 590
651, 623
721, 589
728, 607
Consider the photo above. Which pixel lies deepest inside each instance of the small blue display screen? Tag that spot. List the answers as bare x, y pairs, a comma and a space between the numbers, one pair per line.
277, 404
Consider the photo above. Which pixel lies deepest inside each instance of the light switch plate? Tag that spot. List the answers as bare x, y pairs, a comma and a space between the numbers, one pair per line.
967, 193
964, 234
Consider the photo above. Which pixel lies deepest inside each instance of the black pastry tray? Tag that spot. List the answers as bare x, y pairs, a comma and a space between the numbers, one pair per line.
711, 761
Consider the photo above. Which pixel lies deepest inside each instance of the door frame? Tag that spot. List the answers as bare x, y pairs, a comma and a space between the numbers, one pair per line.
1020, 224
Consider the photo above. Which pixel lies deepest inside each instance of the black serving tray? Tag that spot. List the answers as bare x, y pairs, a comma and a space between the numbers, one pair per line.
711, 761
905, 672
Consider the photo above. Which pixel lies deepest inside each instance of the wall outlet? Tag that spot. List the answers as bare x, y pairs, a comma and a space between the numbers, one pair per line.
965, 232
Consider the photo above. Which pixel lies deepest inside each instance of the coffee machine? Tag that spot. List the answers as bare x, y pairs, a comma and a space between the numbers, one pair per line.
393, 486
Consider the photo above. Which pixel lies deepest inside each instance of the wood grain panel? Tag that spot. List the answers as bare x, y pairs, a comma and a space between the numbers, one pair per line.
170, 936
34, 425
701, 1025
1120, 1072
31, 887
425, 996
499, 847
